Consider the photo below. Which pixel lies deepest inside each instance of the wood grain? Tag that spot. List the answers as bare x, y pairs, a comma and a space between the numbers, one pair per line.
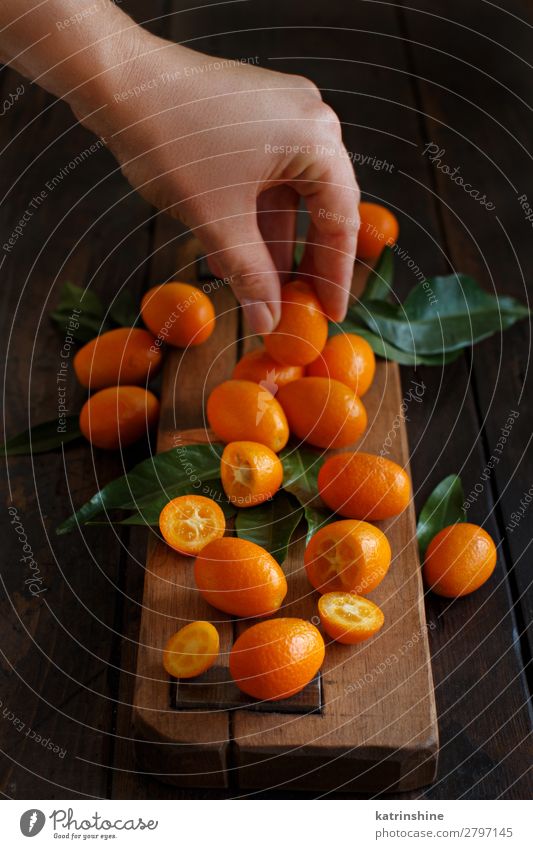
377, 728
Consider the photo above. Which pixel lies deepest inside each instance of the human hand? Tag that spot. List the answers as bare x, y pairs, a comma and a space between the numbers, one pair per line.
229, 149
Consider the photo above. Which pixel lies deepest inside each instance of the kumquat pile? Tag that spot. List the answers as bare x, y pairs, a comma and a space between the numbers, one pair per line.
286, 403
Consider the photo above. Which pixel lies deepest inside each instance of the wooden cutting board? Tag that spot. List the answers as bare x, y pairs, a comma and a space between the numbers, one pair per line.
373, 727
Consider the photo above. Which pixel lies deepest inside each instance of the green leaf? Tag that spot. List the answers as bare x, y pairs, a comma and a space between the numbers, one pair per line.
149, 513
150, 484
300, 472
80, 313
270, 525
299, 249
124, 310
379, 283
43, 437
380, 346
316, 519
458, 315
300, 478
444, 507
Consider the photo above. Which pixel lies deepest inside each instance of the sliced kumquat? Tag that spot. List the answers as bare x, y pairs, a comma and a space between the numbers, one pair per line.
190, 522
349, 618
347, 556
251, 473
191, 650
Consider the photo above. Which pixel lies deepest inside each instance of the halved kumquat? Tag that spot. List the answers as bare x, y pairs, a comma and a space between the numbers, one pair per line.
347, 556
349, 618
191, 650
251, 473
188, 523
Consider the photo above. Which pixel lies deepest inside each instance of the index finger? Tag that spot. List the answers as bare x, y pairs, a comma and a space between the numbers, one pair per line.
333, 204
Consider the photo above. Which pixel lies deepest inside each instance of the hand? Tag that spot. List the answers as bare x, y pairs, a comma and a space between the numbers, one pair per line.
229, 149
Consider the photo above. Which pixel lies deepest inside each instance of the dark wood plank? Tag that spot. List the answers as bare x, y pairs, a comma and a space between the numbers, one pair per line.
476, 118
59, 673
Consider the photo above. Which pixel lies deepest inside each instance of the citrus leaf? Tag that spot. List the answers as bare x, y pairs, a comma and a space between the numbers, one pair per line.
299, 249
382, 348
43, 437
300, 472
444, 507
316, 519
80, 313
458, 314
300, 478
270, 525
152, 483
149, 514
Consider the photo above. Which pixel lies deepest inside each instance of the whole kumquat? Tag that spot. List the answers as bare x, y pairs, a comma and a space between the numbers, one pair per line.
126, 355
349, 618
240, 410
188, 523
179, 314
379, 227
251, 473
277, 658
459, 560
347, 556
118, 416
262, 368
302, 330
323, 412
348, 358
364, 486
192, 650
239, 577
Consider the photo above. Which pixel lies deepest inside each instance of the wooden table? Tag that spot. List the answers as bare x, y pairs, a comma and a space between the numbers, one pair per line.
400, 80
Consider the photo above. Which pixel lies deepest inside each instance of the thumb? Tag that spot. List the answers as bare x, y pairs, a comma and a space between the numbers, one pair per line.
237, 246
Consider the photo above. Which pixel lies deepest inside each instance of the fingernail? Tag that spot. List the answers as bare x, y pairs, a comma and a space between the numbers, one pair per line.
258, 316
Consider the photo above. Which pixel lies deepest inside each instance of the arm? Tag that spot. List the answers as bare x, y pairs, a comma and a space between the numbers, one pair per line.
227, 148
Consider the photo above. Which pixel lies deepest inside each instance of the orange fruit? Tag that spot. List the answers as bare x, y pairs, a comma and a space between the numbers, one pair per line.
302, 330
239, 577
191, 650
189, 522
277, 658
240, 410
323, 412
126, 355
459, 560
347, 556
178, 313
364, 486
251, 473
262, 368
379, 227
349, 618
348, 358
118, 416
